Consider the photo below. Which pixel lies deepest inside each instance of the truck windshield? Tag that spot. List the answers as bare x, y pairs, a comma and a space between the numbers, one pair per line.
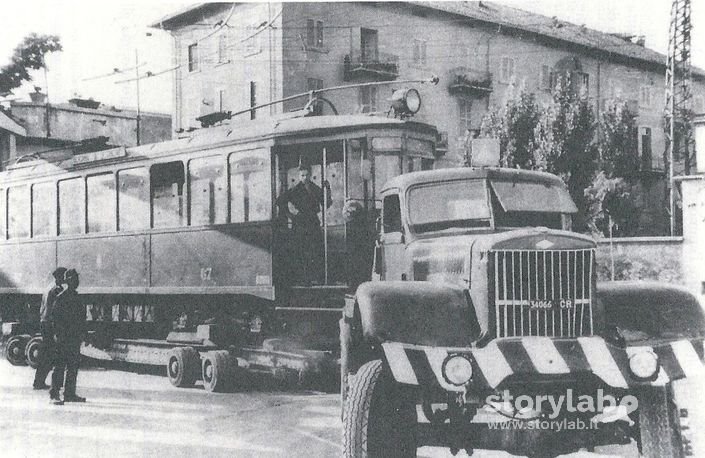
530, 204
449, 205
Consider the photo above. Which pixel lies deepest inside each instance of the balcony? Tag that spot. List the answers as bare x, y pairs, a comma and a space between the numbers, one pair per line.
468, 82
380, 67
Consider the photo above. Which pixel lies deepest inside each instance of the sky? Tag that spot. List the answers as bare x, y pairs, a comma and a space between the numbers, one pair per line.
99, 36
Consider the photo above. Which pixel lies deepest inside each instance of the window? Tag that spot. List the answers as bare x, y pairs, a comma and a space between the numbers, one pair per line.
253, 99
387, 166
43, 209
207, 188
222, 48
167, 194
391, 217
614, 89
193, 57
545, 78
220, 99
250, 188
581, 83
464, 115
458, 204
253, 45
368, 99
507, 70
369, 50
698, 104
72, 206
102, 201
18, 211
645, 147
645, 96
133, 199
3, 214
419, 57
314, 84
314, 33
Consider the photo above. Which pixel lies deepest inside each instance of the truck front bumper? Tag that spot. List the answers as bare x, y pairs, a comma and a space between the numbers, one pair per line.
542, 356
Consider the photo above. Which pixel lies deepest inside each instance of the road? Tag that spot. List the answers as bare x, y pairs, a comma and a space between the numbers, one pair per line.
130, 414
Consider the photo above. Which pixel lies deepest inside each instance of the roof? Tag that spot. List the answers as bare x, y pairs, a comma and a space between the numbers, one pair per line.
9, 124
567, 32
408, 179
493, 13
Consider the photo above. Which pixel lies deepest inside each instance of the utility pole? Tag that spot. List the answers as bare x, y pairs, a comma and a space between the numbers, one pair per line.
137, 82
679, 99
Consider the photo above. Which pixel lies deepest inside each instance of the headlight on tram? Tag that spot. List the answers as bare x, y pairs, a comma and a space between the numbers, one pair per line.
457, 369
406, 102
644, 364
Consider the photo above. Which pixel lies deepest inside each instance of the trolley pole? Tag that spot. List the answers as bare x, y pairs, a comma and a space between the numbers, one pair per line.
137, 82
324, 177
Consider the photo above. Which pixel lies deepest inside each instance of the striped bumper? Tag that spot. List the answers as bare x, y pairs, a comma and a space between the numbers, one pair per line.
492, 364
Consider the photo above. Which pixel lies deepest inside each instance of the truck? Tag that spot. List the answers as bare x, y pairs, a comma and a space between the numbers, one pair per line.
484, 327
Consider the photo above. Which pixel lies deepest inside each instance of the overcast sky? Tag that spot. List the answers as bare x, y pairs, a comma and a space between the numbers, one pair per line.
100, 35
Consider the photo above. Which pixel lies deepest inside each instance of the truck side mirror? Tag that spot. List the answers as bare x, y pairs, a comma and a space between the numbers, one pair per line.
377, 261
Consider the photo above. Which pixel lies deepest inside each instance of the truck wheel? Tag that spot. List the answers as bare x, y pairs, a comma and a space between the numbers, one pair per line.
33, 351
14, 350
218, 370
182, 366
659, 426
379, 419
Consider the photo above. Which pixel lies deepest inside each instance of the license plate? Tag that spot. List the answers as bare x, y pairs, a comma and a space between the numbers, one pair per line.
549, 304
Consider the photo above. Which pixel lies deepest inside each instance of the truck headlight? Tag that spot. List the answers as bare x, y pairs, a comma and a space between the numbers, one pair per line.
457, 369
644, 364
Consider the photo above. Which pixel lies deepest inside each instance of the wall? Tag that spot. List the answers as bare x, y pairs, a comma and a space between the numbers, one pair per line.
642, 258
693, 199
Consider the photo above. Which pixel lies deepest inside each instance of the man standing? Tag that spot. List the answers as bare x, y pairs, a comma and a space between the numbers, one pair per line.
69, 329
301, 204
47, 350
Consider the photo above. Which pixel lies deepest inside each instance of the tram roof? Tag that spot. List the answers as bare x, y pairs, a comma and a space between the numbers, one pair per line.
232, 133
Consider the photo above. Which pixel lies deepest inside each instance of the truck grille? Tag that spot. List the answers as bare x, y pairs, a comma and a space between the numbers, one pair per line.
542, 293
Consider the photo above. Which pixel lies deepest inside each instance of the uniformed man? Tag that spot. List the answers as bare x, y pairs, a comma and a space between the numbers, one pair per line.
47, 350
69, 319
301, 204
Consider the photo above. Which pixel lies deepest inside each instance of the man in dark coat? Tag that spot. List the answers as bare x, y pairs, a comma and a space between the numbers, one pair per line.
69, 329
47, 350
301, 204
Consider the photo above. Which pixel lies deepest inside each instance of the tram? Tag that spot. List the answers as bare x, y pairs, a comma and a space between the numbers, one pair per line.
185, 258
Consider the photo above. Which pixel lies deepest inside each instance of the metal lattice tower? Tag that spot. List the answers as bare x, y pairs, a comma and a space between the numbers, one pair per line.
679, 152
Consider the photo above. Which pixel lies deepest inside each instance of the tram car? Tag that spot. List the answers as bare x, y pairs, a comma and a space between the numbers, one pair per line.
186, 258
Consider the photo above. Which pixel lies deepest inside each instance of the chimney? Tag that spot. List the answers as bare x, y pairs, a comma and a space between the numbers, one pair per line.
38, 96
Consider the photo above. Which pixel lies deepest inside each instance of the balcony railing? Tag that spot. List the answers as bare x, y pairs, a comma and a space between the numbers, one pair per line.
380, 66
468, 82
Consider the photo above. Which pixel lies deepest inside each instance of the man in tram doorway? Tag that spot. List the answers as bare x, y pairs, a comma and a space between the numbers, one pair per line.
301, 205
69, 328
47, 350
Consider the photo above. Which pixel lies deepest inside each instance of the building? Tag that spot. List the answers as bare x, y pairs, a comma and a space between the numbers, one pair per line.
9, 131
57, 130
230, 57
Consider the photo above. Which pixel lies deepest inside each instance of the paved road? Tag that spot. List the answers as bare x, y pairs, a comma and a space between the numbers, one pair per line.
130, 414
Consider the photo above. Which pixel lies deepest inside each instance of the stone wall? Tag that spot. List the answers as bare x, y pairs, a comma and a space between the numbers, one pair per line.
641, 258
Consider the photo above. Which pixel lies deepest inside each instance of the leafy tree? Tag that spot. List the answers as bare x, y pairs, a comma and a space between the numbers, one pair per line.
619, 152
610, 202
28, 55
565, 144
514, 124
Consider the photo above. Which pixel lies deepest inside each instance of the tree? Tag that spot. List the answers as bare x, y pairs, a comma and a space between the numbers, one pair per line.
28, 55
619, 151
565, 144
514, 124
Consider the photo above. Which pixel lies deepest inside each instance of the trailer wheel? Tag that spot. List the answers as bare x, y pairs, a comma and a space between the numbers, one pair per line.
218, 370
379, 418
182, 366
14, 350
33, 351
659, 426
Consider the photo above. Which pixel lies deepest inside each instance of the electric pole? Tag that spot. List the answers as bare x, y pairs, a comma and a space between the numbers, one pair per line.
679, 101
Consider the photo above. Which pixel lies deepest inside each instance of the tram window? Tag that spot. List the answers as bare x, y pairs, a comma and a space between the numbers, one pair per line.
101, 202
72, 206
43, 210
386, 166
18, 212
3, 214
167, 194
414, 164
133, 199
250, 189
207, 189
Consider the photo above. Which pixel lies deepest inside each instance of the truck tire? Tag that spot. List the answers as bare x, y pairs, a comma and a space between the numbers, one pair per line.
659, 425
379, 419
183, 366
218, 370
33, 351
15, 350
